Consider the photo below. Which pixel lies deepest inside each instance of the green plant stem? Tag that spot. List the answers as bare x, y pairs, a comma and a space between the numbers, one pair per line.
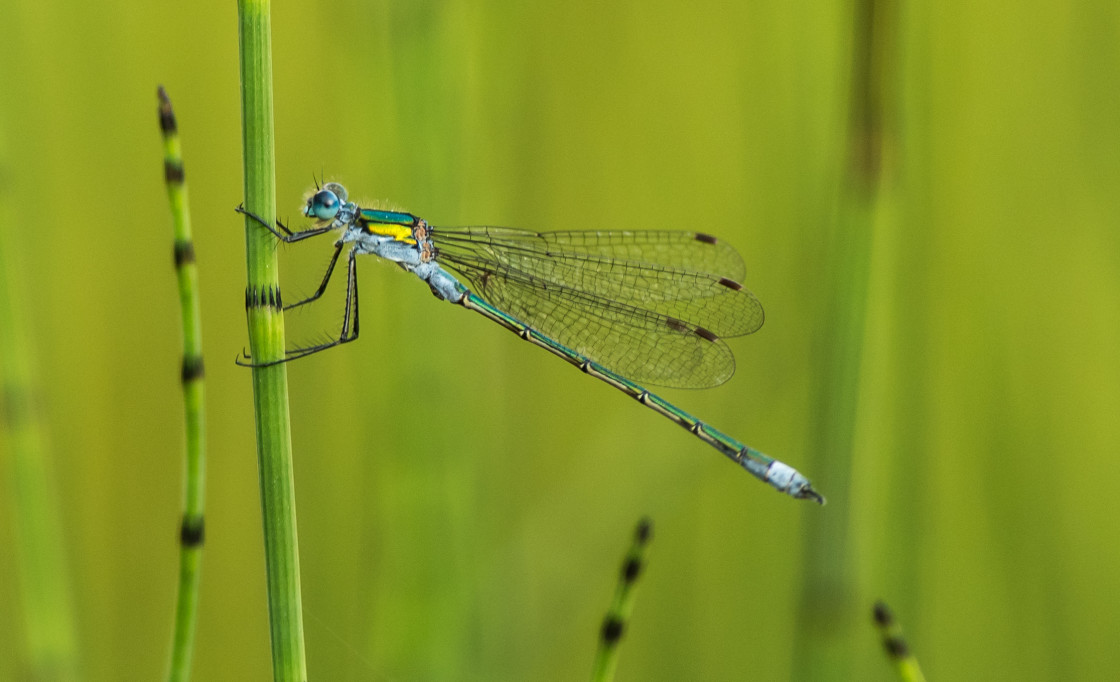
264, 311
38, 543
191, 530
614, 625
895, 645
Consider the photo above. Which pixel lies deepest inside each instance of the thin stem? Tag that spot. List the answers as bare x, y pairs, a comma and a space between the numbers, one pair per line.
191, 530
266, 343
895, 645
614, 625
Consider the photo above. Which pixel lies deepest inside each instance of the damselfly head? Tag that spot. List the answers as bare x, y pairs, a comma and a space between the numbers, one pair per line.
325, 203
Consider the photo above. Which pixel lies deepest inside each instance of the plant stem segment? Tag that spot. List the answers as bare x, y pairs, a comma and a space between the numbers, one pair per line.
266, 342
895, 645
614, 625
191, 531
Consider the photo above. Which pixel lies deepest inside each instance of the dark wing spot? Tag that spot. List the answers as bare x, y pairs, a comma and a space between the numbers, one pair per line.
706, 238
705, 334
676, 325
730, 284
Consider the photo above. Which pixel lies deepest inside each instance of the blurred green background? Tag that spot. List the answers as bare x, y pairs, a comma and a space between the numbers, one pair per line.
464, 499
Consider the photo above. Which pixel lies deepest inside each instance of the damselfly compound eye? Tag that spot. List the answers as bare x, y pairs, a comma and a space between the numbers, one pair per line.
324, 205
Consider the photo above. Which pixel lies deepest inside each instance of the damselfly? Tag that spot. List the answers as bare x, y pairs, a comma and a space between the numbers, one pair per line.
622, 306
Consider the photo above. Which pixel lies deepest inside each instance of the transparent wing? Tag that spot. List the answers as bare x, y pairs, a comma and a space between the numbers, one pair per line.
611, 296
693, 251
683, 275
638, 344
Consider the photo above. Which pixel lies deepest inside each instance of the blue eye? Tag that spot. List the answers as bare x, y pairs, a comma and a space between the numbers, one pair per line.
324, 205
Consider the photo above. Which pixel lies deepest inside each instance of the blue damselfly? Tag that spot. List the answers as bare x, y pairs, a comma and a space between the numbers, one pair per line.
622, 306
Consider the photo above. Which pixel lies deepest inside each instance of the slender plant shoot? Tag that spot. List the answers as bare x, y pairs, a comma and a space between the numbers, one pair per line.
191, 530
898, 651
266, 338
614, 625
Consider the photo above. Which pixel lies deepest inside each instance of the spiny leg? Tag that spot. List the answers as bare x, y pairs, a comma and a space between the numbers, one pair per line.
287, 236
349, 330
347, 334
322, 285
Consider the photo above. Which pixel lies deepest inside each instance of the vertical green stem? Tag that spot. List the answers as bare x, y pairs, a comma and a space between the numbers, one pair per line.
39, 546
828, 604
614, 625
191, 530
266, 342
895, 645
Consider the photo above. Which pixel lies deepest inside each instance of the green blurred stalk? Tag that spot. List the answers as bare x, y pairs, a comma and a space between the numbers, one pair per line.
906, 665
40, 557
824, 649
191, 531
618, 616
264, 310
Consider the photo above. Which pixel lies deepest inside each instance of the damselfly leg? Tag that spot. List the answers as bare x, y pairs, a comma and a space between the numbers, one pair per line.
349, 330
284, 234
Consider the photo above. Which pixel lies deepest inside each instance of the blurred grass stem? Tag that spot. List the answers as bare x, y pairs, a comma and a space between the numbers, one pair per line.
825, 649
51, 651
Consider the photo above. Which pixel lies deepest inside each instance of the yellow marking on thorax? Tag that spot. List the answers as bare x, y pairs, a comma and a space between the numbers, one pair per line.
397, 232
